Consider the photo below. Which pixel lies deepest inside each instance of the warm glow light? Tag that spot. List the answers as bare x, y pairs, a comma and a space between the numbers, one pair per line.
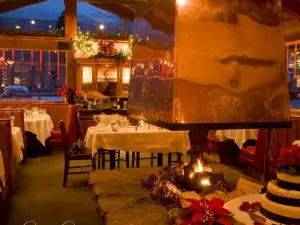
32, 22
181, 2
101, 27
18, 27
126, 75
205, 182
198, 169
87, 75
50, 26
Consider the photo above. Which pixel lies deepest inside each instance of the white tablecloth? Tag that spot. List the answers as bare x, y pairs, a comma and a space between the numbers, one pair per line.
39, 125
17, 143
2, 170
128, 139
243, 217
239, 136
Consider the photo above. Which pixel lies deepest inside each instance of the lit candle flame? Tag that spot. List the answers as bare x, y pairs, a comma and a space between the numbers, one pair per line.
199, 168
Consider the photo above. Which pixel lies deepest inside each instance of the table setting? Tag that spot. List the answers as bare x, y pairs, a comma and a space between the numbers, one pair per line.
37, 121
116, 133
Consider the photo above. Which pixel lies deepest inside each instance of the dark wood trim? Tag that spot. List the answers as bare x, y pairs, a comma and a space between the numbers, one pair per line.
213, 126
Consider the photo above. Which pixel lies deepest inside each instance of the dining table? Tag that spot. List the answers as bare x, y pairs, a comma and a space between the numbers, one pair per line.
239, 136
40, 125
136, 139
17, 143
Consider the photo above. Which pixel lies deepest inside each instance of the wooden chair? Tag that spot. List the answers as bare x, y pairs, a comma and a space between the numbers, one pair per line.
73, 156
6, 151
254, 156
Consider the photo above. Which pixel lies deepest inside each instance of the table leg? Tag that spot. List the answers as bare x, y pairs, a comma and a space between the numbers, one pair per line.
112, 159
103, 159
138, 159
267, 155
160, 159
133, 159
127, 159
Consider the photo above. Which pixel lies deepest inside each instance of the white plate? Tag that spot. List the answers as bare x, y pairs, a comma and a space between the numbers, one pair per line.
241, 216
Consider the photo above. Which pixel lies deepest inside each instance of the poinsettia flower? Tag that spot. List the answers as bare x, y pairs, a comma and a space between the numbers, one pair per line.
245, 206
257, 223
291, 161
281, 160
255, 205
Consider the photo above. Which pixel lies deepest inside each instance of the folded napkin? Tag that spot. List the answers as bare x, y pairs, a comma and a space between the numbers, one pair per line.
107, 119
102, 127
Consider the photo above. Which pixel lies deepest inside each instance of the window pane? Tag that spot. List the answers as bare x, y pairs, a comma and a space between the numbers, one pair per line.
31, 74
42, 19
101, 23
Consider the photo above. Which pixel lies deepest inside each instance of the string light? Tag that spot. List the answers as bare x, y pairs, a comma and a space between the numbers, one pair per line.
84, 44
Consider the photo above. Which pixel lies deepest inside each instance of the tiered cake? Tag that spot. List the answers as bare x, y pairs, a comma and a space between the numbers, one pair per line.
281, 202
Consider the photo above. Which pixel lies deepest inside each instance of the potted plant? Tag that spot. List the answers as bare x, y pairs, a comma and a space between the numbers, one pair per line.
67, 93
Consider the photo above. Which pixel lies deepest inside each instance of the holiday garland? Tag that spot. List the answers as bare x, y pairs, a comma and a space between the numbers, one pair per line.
84, 44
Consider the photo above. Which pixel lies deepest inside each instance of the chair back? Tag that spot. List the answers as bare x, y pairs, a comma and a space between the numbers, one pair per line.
261, 149
6, 152
19, 117
80, 130
198, 138
65, 142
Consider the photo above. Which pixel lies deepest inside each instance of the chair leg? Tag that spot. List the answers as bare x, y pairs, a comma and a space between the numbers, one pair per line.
133, 159
99, 158
119, 157
94, 162
66, 171
169, 158
152, 157
137, 159
103, 159
127, 160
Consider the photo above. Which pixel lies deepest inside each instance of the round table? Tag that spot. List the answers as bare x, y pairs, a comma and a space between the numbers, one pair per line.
40, 125
241, 216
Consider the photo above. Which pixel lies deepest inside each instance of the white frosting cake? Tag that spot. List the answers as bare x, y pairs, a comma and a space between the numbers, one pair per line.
288, 177
282, 199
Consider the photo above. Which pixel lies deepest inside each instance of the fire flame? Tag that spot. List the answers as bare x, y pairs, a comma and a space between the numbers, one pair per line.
199, 168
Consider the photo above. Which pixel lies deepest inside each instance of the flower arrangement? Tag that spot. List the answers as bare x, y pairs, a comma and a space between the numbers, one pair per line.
106, 49
80, 100
65, 91
78, 145
206, 212
288, 160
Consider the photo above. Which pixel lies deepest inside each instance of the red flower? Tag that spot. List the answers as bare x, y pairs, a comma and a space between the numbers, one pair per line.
257, 223
281, 160
207, 211
291, 161
255, 205
245, 206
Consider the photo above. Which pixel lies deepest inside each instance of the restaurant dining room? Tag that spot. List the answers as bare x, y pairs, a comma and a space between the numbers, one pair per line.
149, 112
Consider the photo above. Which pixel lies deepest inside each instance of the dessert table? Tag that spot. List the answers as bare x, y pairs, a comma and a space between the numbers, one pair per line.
127, 139
41, 125
239, 136
17, 143
241, 216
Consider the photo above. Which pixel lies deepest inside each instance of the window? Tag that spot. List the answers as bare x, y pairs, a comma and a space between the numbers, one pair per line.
31, 74
42, 19
101, 23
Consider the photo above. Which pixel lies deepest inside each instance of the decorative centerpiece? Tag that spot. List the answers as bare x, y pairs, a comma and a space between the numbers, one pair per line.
281, 202
78, 146
67, 93
80, 100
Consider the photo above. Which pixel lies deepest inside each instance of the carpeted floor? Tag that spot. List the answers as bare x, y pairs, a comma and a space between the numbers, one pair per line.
38, 195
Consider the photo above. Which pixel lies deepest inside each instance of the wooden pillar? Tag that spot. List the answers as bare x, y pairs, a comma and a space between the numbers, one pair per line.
70, 33
70, 18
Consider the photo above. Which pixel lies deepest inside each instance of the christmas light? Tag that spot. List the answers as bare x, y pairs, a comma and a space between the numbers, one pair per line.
101, 27
18, 27
32, 22
84, 44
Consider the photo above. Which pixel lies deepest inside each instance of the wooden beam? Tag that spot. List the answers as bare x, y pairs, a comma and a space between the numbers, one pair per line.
35, 43
70, 19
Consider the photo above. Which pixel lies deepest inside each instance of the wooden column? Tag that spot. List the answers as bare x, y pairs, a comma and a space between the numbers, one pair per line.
70, 33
